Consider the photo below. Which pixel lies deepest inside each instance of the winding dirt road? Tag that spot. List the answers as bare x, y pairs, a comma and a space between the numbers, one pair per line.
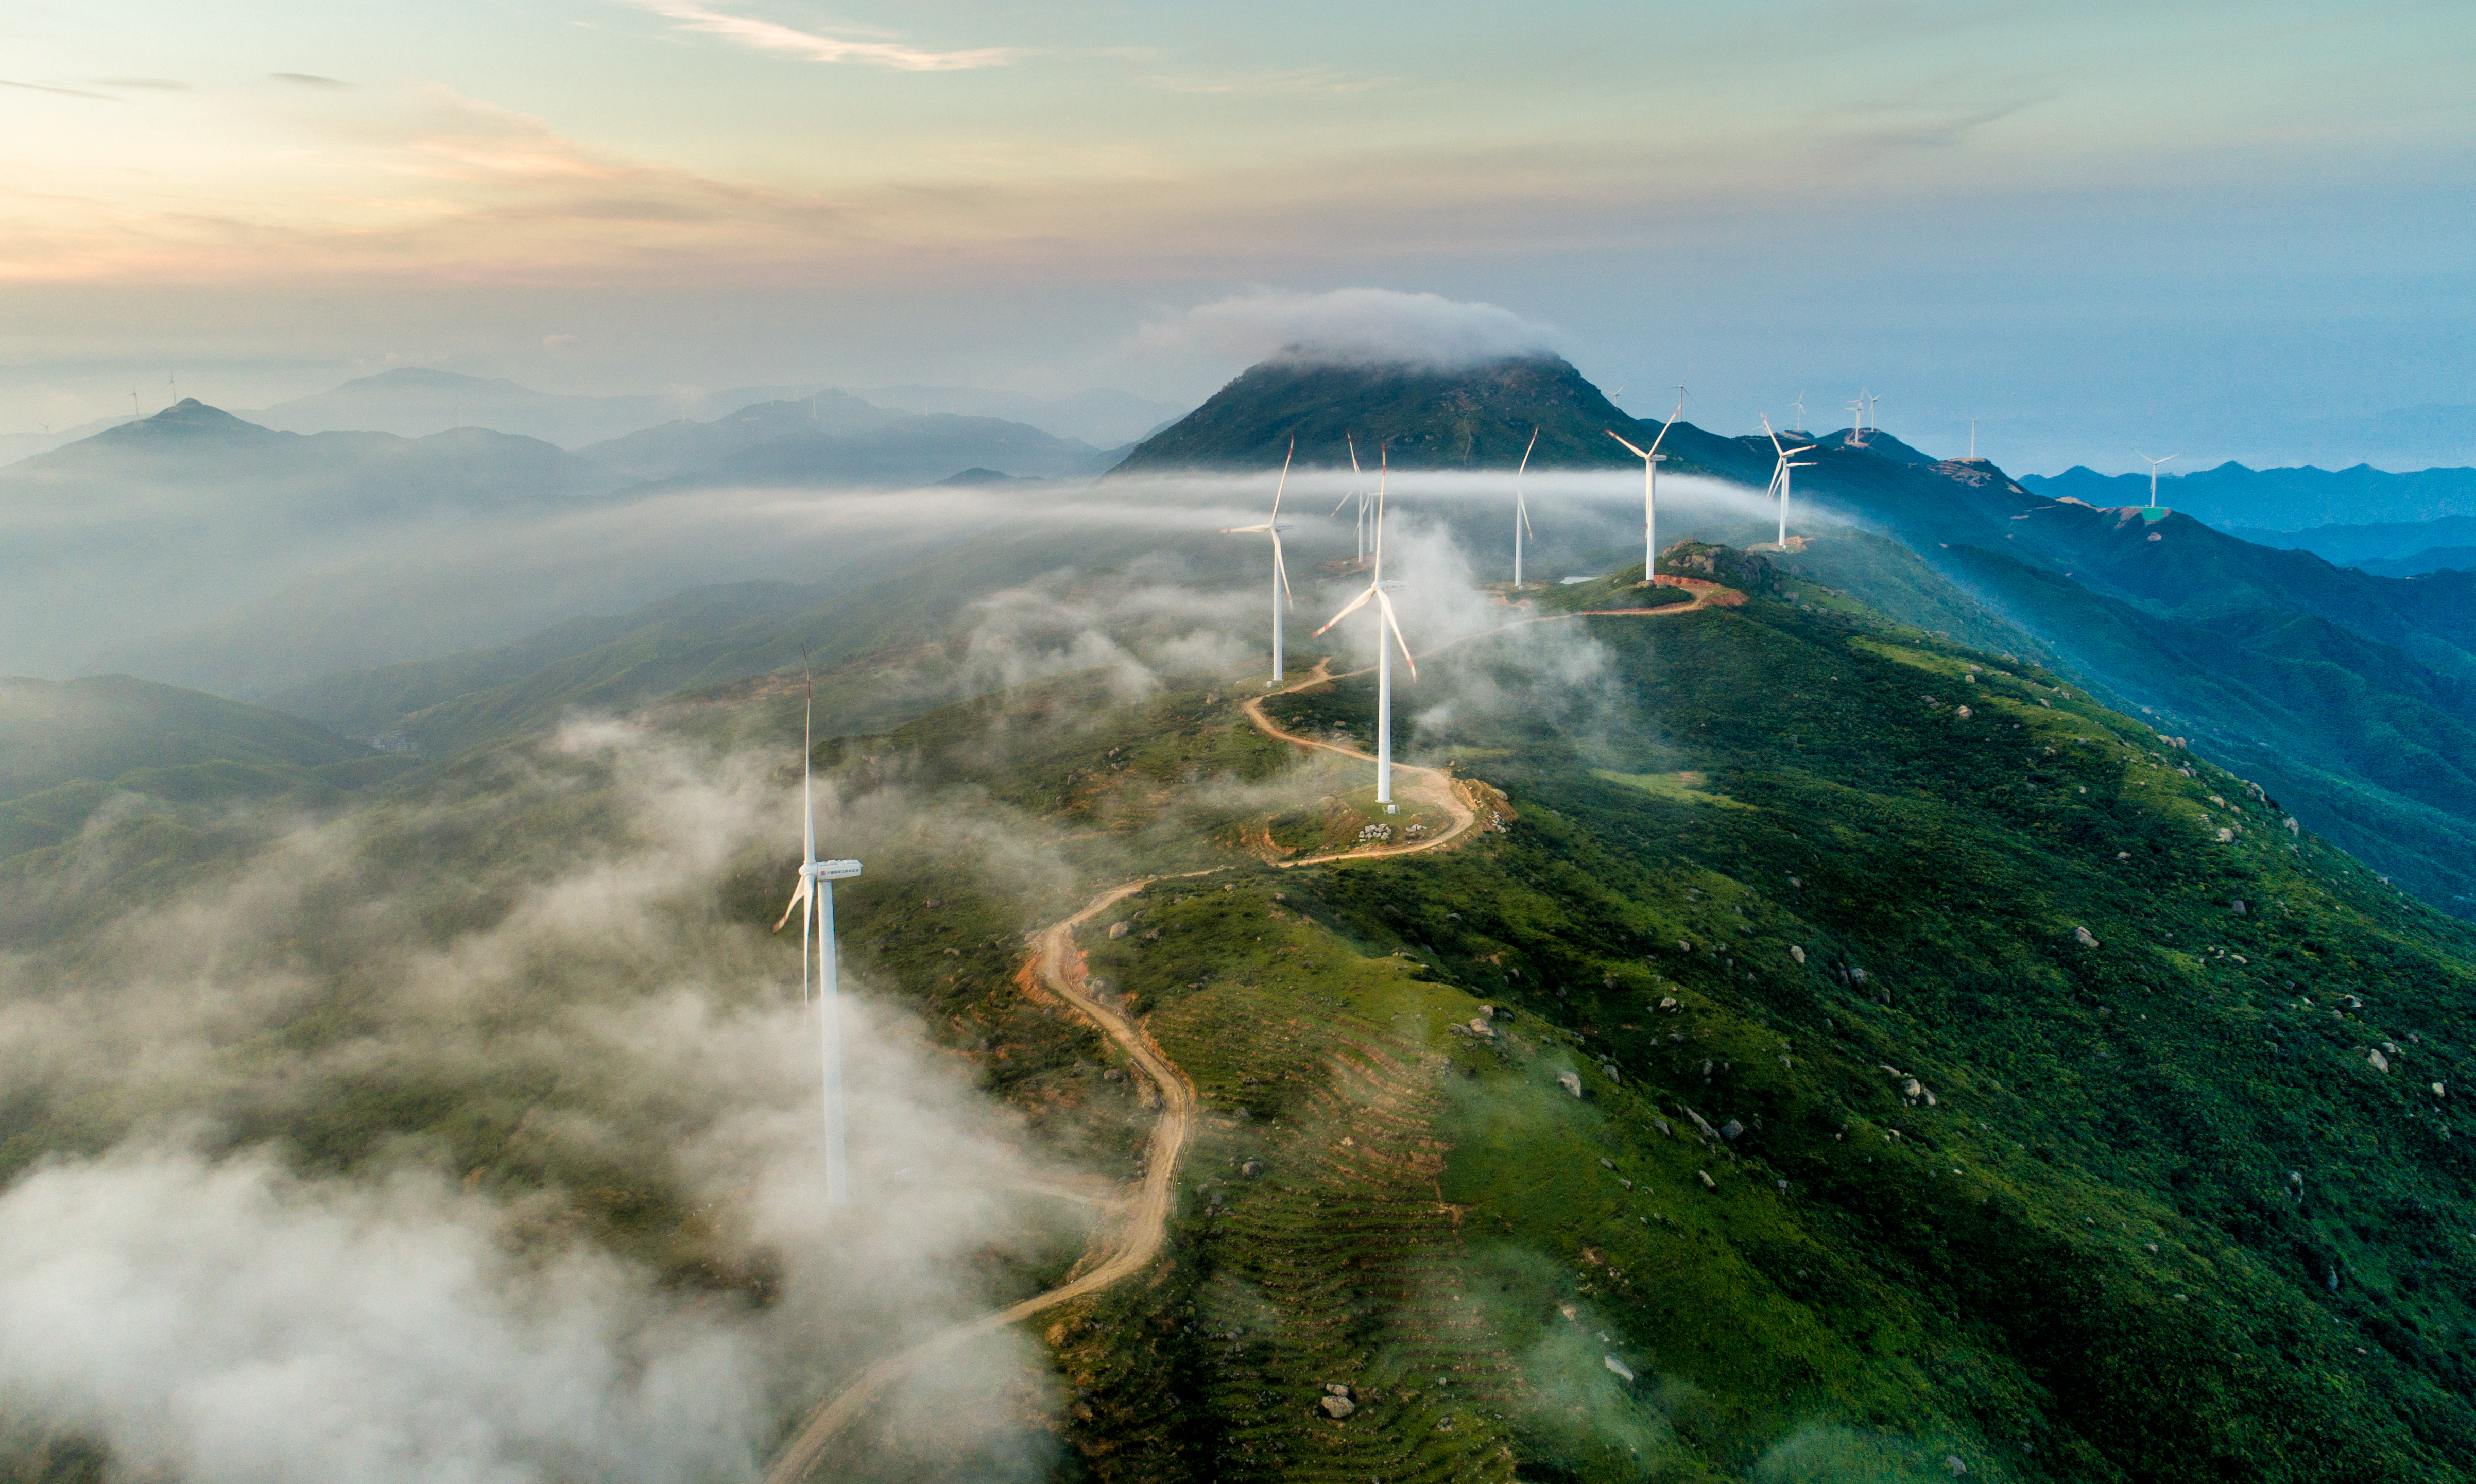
1127, 1244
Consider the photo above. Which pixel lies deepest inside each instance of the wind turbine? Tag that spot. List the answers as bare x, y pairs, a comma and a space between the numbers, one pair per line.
1780, 474
1651, 458
1360, 524
1273, 528
814, 901
2153, 472
1384, 620
1972, 440
1520, 510
1799, 404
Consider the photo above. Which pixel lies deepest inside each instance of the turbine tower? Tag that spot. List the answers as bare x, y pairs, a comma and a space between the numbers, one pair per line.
1384, 621
814, 901
1360, 525
2153, 472
1273, 528
1651, 458
1520, 510
1780, 474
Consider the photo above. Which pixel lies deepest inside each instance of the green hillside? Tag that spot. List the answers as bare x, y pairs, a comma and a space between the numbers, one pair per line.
171, 758
1965, 1072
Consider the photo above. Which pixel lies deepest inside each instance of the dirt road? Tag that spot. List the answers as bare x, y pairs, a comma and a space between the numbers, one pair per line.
1127, 1244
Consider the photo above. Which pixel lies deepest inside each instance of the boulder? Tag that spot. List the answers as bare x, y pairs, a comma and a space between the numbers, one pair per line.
1731, 1129
1797, 952
1337, 1407
2084, 937
2380, 1062
1570, 1081
1252, 1169
1618, 1367
1480, 1027
1707, 1180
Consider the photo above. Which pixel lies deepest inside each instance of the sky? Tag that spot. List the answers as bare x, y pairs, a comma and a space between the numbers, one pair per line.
2234, 229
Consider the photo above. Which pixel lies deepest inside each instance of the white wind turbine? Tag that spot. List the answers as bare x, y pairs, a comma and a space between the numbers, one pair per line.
1799, 404
1384, 621
1520, 510
1273, 528
2153, 472
1780, 474
814, 901
1651, 458
1356, 493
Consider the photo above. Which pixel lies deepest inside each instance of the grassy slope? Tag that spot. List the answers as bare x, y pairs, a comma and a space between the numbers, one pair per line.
69, 748
2085, 1259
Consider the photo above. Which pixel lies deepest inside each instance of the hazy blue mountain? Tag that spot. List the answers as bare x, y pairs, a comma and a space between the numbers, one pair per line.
2352, 546
1101, 416
2431, 560
908, 451
2232, 495
415, 400
686, 444
164, 522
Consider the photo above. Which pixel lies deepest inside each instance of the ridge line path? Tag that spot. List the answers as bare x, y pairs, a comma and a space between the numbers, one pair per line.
1128, 1244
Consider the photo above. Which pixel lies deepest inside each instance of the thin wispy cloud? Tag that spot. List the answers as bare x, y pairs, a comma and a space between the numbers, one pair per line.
765, 36
141, 84
65, 92
307, 79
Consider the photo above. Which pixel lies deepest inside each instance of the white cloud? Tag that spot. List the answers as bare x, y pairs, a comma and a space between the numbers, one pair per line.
1350, 325
767, 36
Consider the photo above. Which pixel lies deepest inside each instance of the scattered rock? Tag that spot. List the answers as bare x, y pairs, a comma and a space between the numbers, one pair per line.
2439, 1091
1856, 976
1337, 1389
2084, 937
2237, 906
1797, 952
1617, 1366
1952, 1461
1699, 1122
1783, 1186
1487, 1012
1337, 1407
1570, 1081
1252, 1169
2380, 1062
1480, 1027
1120, 929
1608, 1069
1607, 1164
1672, 1133
1707, 1180
2226, 835
1962, 713
1668, 1001
1731, 1129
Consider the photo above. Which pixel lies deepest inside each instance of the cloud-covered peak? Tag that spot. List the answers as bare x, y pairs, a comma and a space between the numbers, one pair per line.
1351, 327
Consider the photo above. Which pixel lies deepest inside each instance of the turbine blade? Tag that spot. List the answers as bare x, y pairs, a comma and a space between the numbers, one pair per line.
1285, 478
1638, 453
1245, 531
1522, 508
1353, 441
1526, 455
1345, 500
1280, 568
1355, 604
1663, 430
798, 893
1385, 605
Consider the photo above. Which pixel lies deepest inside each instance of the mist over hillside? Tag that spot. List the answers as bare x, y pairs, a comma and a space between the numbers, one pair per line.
1760, 1038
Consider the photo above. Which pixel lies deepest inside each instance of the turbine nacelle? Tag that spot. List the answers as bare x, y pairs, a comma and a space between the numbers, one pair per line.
830, 870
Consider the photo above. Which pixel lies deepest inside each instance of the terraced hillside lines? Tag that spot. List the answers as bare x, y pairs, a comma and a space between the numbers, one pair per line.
1334, 1262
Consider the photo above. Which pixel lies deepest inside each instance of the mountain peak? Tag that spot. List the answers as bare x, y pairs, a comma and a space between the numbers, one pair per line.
186, 421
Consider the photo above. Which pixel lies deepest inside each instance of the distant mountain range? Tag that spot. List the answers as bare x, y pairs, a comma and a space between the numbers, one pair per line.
2232, 495
413, 401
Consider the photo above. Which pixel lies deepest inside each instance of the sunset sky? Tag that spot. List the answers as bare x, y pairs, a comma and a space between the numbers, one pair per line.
2089, 225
